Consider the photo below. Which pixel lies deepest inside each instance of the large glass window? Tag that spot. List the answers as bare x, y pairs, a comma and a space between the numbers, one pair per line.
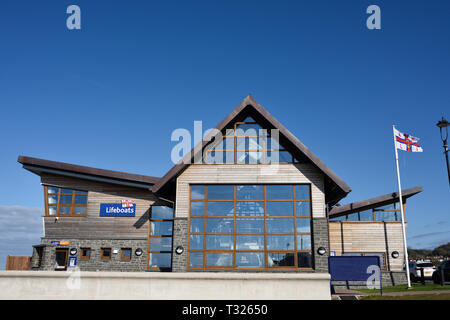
160, 239
65, 202
250, 227
247, 143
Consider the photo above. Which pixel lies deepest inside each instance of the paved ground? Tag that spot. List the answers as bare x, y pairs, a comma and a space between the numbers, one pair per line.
347, 294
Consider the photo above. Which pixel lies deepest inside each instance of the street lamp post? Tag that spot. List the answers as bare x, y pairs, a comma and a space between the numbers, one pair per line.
444, 135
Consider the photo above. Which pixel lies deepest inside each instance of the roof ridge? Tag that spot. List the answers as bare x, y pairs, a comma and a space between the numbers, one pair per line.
250, 101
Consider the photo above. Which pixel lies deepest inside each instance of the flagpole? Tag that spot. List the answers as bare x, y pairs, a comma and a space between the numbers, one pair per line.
405, 248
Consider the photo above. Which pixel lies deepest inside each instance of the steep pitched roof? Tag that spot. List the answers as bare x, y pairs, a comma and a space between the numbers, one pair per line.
39, 166
373, 202
335, 188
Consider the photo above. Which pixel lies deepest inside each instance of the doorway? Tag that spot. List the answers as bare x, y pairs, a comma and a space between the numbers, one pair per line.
61, 259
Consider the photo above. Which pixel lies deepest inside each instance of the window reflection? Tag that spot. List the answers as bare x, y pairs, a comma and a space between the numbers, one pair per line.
304, 259
161, 228
214, 208
280, 208
65, 202
302, 208
249, 143
280, 225
219, 259
249, 192
161, 232
220, 192
249, 242
160, 260
250, 225
161, 244
304, 242
218, 225
250, 259
280, 242
162, 212
219, 242
197, 192
280, 259
249, 208
237, 232
196, 259
283, 192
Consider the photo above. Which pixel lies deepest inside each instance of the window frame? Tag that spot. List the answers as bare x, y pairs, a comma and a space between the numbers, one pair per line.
123, 257
58, 205
88, 257
264, 150
264, 218
103, 257
150, 237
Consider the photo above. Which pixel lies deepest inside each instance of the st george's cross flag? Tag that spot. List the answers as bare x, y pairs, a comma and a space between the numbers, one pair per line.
406, 142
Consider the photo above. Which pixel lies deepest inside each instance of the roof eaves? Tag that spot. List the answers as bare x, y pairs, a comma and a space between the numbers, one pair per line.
373, 202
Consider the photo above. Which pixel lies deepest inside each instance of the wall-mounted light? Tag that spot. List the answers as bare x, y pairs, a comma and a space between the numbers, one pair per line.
73, 251
321, 251
179, 250
138, 252
395, 254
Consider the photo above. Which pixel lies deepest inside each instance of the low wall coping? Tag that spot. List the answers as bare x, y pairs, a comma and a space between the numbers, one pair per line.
170, 275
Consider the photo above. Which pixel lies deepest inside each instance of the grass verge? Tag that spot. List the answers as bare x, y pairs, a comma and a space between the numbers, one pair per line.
403, 288
442, 296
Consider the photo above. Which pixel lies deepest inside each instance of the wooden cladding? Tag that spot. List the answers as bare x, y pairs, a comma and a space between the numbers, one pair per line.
92, 226
368, 237
18, 263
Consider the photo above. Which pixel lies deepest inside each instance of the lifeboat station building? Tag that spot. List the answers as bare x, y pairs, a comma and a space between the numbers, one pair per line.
226, 206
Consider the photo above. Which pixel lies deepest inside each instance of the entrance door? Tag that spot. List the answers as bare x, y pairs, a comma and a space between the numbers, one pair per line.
61, 259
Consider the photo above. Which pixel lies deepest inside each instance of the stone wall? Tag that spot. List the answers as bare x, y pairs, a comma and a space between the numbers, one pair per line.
320, 239
95, 263
180, 238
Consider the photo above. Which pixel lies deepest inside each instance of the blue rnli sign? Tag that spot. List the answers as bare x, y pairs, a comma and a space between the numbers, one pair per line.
117, 210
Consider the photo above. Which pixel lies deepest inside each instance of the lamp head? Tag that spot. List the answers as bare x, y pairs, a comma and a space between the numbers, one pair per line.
443, 124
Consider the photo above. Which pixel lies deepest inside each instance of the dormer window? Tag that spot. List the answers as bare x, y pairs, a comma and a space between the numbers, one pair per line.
62, 202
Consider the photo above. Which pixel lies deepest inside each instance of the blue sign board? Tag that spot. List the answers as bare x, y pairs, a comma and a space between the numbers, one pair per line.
117, 210
350, 268
72, 262
353, 268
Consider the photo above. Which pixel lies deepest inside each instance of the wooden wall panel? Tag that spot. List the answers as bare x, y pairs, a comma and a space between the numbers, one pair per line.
349, 237
251, 173
18, 263
93, 226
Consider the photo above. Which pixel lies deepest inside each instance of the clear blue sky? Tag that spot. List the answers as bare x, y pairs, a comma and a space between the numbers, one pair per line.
110, 95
